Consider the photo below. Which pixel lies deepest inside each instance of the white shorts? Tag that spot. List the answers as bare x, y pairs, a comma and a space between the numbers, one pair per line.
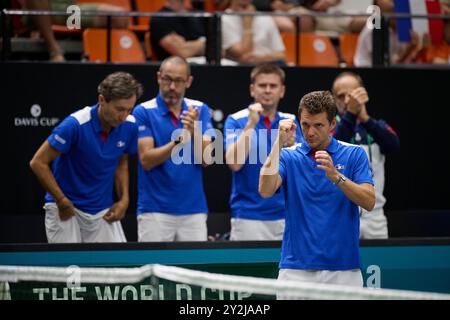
83, 227
164, 227
373, 225
341, 277
248, 230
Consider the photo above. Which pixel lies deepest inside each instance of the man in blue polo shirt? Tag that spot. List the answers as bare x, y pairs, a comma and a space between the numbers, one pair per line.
324, 181
81, 161
249, 135
171, 200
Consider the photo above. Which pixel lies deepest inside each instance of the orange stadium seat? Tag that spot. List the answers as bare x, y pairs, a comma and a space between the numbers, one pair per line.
125, 46
150, 53
315, 50
347, 47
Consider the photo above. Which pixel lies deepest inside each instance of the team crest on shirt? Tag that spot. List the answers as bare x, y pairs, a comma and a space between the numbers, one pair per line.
339, 166
120, 144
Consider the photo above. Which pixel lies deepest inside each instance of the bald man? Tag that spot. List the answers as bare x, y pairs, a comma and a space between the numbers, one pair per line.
354, 125
171, 200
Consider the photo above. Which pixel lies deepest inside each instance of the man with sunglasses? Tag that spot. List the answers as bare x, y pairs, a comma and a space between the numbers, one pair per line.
171, 200
354, 125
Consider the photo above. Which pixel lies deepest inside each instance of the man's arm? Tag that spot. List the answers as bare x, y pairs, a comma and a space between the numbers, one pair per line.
269, 177
40, 165
383, 134
121, 177
237, 152
362, 194
178, 46
151, 157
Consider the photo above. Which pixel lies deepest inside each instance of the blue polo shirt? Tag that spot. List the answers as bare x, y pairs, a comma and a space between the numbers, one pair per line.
85, 169
245, 200
173, 188
322, 224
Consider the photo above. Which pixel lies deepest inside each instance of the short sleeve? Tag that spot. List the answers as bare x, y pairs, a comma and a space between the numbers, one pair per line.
132, 145
361, 169
64, 135
231, 33
143, 124
232, 130
282, 166
276, 42
205, 118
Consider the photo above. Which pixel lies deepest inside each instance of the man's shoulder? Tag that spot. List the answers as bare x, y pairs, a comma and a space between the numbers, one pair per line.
286, 115
148, 105
194, 103
240, 115
81, 116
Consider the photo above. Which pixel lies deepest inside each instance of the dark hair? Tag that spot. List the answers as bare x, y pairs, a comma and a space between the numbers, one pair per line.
267, 68
356, 76
317, 102
176, 60
119, 85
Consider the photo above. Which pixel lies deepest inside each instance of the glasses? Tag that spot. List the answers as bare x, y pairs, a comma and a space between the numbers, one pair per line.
168, 80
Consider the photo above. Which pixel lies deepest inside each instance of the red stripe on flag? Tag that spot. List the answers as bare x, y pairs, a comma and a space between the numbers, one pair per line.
436, 26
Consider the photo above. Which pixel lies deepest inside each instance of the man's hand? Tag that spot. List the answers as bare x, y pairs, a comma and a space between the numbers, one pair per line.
286, 129
66, 209
116, 212
357, 99
188, 119
326, 164
255, 110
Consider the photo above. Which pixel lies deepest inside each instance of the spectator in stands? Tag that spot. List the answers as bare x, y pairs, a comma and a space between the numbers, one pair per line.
44, 23
80, 161
354, 125
171, 200
324, 181
247, 133
250, 39
180, 36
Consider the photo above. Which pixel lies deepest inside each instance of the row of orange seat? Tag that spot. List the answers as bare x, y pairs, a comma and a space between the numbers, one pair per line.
314, 49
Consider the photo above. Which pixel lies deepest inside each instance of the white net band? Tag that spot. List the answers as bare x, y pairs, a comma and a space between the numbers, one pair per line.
256, 285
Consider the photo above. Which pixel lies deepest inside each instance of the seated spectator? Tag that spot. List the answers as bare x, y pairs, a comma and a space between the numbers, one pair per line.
44, 23
250, 39
179, 36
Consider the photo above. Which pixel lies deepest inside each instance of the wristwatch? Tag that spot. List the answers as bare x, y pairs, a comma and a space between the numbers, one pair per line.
341, 180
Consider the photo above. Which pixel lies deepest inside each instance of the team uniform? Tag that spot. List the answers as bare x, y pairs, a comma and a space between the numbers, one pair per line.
377, 138
171, 199
321, 239
85, 173
254, 217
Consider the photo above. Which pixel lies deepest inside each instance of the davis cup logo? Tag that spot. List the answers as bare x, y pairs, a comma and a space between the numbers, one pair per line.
35, 110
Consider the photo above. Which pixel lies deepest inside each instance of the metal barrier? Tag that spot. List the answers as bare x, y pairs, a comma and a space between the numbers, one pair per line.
380, 54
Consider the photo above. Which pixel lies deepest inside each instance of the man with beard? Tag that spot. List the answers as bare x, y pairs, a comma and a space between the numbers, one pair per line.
248, 141
171, 200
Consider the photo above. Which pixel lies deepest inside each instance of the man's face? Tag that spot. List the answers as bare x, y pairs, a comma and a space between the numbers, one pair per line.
316, 129
173, 82
116, 111
342, 88
267, 90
